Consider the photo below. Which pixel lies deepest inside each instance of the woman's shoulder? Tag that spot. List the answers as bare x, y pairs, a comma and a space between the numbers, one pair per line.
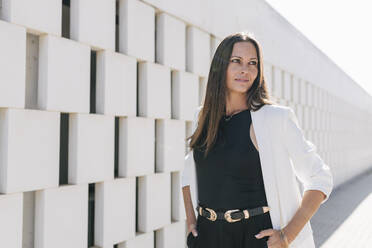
277, 114
277, 109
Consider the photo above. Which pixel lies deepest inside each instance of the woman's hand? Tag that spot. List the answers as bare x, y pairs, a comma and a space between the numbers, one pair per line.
274, 241
192, 228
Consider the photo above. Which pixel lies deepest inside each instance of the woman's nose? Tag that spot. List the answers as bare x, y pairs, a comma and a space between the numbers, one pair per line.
244, 69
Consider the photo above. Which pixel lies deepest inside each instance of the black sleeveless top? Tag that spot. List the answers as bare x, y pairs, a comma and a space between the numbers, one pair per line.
230, 177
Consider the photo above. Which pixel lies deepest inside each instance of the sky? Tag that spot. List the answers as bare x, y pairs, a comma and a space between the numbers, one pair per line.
339, 28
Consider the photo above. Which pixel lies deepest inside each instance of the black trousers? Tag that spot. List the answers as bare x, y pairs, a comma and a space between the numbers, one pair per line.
222, 234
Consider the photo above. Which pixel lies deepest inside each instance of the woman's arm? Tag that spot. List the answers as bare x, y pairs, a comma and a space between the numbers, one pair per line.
309, 205
186, 179
311, 171
189, 208
185, 184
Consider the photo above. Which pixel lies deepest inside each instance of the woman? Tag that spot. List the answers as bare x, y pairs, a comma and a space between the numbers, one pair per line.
239, 179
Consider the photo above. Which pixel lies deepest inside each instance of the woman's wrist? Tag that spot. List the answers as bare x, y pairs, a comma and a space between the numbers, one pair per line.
191, 226
284, 237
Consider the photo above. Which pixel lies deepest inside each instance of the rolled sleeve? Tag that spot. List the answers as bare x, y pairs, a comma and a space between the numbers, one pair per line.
308, 166
186, 172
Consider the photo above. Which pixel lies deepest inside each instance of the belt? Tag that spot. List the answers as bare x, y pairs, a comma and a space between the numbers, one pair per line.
231, 215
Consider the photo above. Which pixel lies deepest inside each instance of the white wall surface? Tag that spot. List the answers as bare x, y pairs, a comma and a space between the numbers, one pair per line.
101, 96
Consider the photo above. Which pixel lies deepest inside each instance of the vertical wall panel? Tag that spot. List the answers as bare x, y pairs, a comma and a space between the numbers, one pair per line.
12, 65
61, 217
154, 90
197, 51
136, 137
170, 41
93, 22
63, 83
116, 85
137, 29
91, 148
11, 220
25, 135
185, 95
39, 16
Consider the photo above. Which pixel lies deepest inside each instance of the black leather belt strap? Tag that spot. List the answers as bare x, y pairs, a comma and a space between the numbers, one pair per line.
231, 215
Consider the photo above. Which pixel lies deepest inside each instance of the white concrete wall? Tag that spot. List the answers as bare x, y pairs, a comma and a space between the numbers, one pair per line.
106, 108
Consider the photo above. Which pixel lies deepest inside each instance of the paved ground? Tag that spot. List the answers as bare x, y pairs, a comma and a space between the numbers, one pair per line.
345, 220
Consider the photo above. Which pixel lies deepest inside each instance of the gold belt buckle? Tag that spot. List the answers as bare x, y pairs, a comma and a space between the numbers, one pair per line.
228, 215
213, 215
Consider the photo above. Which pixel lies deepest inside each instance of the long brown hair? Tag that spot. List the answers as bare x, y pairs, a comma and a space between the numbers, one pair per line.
214, 106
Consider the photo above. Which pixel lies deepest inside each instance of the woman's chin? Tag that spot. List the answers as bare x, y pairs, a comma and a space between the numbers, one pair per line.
239, 90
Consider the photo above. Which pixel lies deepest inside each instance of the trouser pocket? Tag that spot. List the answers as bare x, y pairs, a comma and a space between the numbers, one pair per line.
191, 240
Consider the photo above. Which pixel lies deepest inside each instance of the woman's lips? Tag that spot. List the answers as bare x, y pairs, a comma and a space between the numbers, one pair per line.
242, 80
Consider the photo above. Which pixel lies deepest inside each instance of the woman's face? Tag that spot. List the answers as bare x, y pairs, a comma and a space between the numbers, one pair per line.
243, 67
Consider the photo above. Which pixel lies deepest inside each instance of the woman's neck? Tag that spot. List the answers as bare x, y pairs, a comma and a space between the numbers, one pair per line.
235, 103
234, 108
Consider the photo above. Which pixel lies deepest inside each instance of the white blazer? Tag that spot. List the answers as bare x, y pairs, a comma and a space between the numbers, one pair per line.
284, 154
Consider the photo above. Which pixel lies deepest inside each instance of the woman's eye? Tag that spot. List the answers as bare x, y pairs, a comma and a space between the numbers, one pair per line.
237, 60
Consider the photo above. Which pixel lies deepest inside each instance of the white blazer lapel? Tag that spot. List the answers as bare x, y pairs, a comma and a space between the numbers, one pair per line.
267, 164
